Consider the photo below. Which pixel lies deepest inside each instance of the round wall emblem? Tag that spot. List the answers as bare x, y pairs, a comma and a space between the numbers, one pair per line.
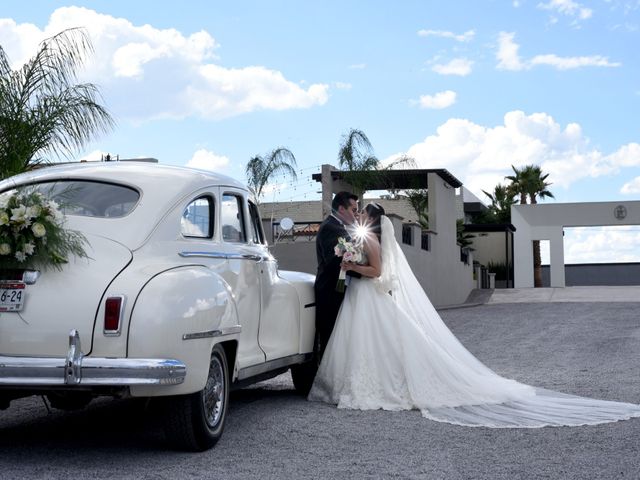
620, 212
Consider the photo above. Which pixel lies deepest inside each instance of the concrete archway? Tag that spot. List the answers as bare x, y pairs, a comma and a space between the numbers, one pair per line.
547, 222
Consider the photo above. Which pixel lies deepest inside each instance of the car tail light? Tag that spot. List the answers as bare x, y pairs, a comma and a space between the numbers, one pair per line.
113, 314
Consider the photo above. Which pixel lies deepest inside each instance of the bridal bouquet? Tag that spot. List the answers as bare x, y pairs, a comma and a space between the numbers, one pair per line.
32, 232
350, 252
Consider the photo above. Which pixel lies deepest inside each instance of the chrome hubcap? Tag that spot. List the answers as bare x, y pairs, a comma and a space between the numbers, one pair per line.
214, 393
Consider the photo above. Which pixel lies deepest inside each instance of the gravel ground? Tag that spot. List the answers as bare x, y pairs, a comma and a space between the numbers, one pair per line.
587, 349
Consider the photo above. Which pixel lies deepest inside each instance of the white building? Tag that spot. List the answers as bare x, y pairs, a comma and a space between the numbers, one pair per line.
434, 256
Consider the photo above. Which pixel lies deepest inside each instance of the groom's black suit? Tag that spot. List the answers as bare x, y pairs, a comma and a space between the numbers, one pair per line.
328, 300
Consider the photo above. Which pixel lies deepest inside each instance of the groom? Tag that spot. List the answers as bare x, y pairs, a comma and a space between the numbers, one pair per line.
344, 211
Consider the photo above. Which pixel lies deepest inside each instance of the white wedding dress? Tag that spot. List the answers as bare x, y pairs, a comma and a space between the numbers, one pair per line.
390, 350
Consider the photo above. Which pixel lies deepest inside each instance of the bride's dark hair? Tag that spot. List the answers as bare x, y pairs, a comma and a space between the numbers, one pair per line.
374, 212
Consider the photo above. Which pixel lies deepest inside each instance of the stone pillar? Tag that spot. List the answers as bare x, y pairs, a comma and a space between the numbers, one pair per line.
556, 258
327, 189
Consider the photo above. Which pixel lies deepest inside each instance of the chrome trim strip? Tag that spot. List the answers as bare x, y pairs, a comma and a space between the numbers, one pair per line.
76, 369
255, 258
219, 255
254, 370
226, 256
205, 334
212, 333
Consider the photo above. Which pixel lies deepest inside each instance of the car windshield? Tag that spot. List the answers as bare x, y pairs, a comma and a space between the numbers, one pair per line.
89, 198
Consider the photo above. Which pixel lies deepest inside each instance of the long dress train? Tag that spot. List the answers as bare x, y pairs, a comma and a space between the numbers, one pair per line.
391, 350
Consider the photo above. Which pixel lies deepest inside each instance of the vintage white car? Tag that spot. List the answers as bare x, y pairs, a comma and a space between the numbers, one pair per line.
179, 298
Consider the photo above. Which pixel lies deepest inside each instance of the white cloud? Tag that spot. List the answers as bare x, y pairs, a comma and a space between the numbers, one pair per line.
207, 160
602, 244
146, 72
438, 101
568, 8
632, 187
358, 66
481, 156
509, 59
463, 37
507, 55
93, 156
273, 188
457, 66
566, 63
342, 85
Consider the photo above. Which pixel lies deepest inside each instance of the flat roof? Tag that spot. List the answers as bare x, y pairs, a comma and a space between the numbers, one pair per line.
489, 227
409, 179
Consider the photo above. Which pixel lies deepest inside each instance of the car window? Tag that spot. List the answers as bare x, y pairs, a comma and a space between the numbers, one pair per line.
257, 233
232, 219
197, 219
89, 198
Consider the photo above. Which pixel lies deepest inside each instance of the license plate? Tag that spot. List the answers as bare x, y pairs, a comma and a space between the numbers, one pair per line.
12, 296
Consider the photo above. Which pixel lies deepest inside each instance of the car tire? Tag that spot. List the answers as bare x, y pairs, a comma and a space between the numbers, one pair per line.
304, 374
195, 422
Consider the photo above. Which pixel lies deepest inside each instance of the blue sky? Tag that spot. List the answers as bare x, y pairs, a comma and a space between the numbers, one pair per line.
471, 86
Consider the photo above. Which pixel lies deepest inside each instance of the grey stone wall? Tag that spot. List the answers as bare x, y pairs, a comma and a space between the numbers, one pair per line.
594, 274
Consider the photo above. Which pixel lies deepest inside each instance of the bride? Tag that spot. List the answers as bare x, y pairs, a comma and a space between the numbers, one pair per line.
390, 350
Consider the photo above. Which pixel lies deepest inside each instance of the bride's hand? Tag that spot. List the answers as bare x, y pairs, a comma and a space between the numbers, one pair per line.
346, 266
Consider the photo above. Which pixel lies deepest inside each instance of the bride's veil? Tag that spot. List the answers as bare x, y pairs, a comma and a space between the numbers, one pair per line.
397, 278
447, 383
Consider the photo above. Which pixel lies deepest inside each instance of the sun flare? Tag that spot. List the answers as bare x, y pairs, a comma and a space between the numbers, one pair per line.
362, 231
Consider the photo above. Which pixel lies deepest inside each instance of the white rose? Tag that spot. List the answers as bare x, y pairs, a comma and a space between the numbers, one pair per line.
34, 211
5, 249
19, 214
38, 230
4, 200
4, 218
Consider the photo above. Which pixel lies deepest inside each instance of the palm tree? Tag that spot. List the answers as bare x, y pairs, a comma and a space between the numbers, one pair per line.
261, 169
419, 200
530, 182
43, 111
356, 157
463, 238
362, 168
502, 199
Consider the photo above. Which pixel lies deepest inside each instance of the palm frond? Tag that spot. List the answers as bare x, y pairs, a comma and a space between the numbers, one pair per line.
43, 112
260, 170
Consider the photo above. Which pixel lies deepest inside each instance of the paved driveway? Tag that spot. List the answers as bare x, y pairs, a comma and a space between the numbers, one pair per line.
581, 348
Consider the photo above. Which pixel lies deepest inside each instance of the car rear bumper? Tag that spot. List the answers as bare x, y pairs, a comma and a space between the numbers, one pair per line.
78, 369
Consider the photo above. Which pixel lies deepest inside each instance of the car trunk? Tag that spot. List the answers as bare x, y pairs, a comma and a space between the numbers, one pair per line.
60, 301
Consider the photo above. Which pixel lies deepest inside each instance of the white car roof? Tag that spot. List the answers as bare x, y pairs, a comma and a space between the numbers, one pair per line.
161, 186
145, 175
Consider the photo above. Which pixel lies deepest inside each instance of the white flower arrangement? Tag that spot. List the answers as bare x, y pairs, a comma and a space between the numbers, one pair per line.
33, 234
350, 252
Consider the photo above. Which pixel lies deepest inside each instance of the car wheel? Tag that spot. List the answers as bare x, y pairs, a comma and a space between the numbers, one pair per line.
304, 374
195, 422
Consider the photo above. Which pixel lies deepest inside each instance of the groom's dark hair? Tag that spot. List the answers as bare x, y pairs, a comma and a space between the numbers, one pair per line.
342, 199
